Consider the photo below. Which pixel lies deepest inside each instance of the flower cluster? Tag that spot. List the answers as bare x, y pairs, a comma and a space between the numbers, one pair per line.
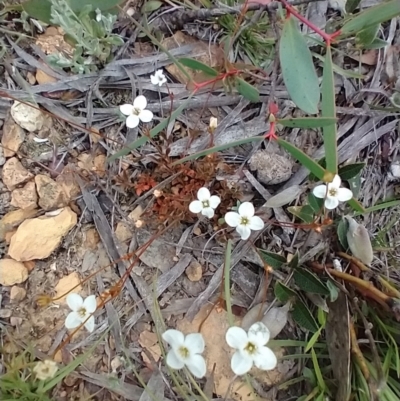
250, 350
45, 370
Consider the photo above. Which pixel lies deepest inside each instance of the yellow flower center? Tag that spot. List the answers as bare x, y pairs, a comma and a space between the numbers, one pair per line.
250, 348
244, 221
333, 192
205, 204
82, 312
184, 352
136, 111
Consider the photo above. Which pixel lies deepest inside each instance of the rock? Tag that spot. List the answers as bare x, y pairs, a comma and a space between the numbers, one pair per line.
12, 272
272, 168
38, 238
26, 197
43, 78
14, 219
66, 284
2, 157
92, 238
51, 195
123, 232
8, 236
68, 183
13, 137
27, 117
17, 294
194, 271
14, 173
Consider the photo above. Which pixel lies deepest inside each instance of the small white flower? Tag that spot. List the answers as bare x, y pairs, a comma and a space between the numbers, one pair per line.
82, 311
213, 123
136, 112
333, 193
45, 370
205, 203
250, 348
98, 15
186, 351
244, 220
158, 78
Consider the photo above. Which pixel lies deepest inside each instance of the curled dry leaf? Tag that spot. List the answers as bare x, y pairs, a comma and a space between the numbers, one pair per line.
359, 241
285, 197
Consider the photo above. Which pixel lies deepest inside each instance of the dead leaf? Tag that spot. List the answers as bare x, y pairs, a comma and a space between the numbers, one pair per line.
149, 341
43, 78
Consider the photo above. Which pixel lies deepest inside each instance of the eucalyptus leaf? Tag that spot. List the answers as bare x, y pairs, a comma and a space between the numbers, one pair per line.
246, 90
294, 262
342, 233
377, 43
304, 213
303, 317
298, 70
309, 282
286, 196
283, 292
306, 122
272, 259
150, 6
198, 66
315, 203
366, 36
350, 170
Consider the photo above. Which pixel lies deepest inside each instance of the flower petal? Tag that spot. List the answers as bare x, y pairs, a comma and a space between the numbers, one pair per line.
174, 338
336, 182
126, 109
140, 102
74, 301
89, 324
236, 337
256, 223
72, 321
344, 194
215, 201
146, 116
320, 191
331, 203
241, 363
197, 366
196, 206
208, 212
203, 194
195, 343
246, 209
259, 334
244, 232
265, 359
173, 361
233, 219
154, 79
90, 304
132, 121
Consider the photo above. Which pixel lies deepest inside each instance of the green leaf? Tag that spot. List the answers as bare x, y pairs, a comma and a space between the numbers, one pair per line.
355, 185
156, 130
304, 213
284, 293
328, 109
318, 374
198, 66
103, 5
322, 163
294, 261
303, 317
380, 206
342, 233
298, 70
367, 35
352, 5
218, 148
333, 291
38, 9
340, 70
246, 90
356, 205
376, 44
309, 282
315, 203
151, 6
306, 122
313, 339
372, 16
305, 160
350, 170
272, 259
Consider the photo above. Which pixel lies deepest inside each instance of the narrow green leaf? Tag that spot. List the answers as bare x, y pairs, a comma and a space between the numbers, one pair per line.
155, 131
350, 170
313, 339
367, 35
352, 5
356, 205
305, 160
376, 44
218, 149
372, 16
342, 233
333, 291
309, 282
198, 66
272, 259
283, 292
294, 263
306, 122
304, 213
340, 70
315, 203
318, 373
103, 5
298, 70
383, 205
151, 6
322, 163
303, 317
246, 90
328, 109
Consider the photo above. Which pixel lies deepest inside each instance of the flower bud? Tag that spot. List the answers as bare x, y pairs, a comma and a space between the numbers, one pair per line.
359, 241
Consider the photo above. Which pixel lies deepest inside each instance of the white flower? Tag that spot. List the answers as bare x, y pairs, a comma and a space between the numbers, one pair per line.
186, 351
158, 78
250, 348
82, 311
136, 112
98, 14
244, 221
45, 370
205, 203
333, 193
